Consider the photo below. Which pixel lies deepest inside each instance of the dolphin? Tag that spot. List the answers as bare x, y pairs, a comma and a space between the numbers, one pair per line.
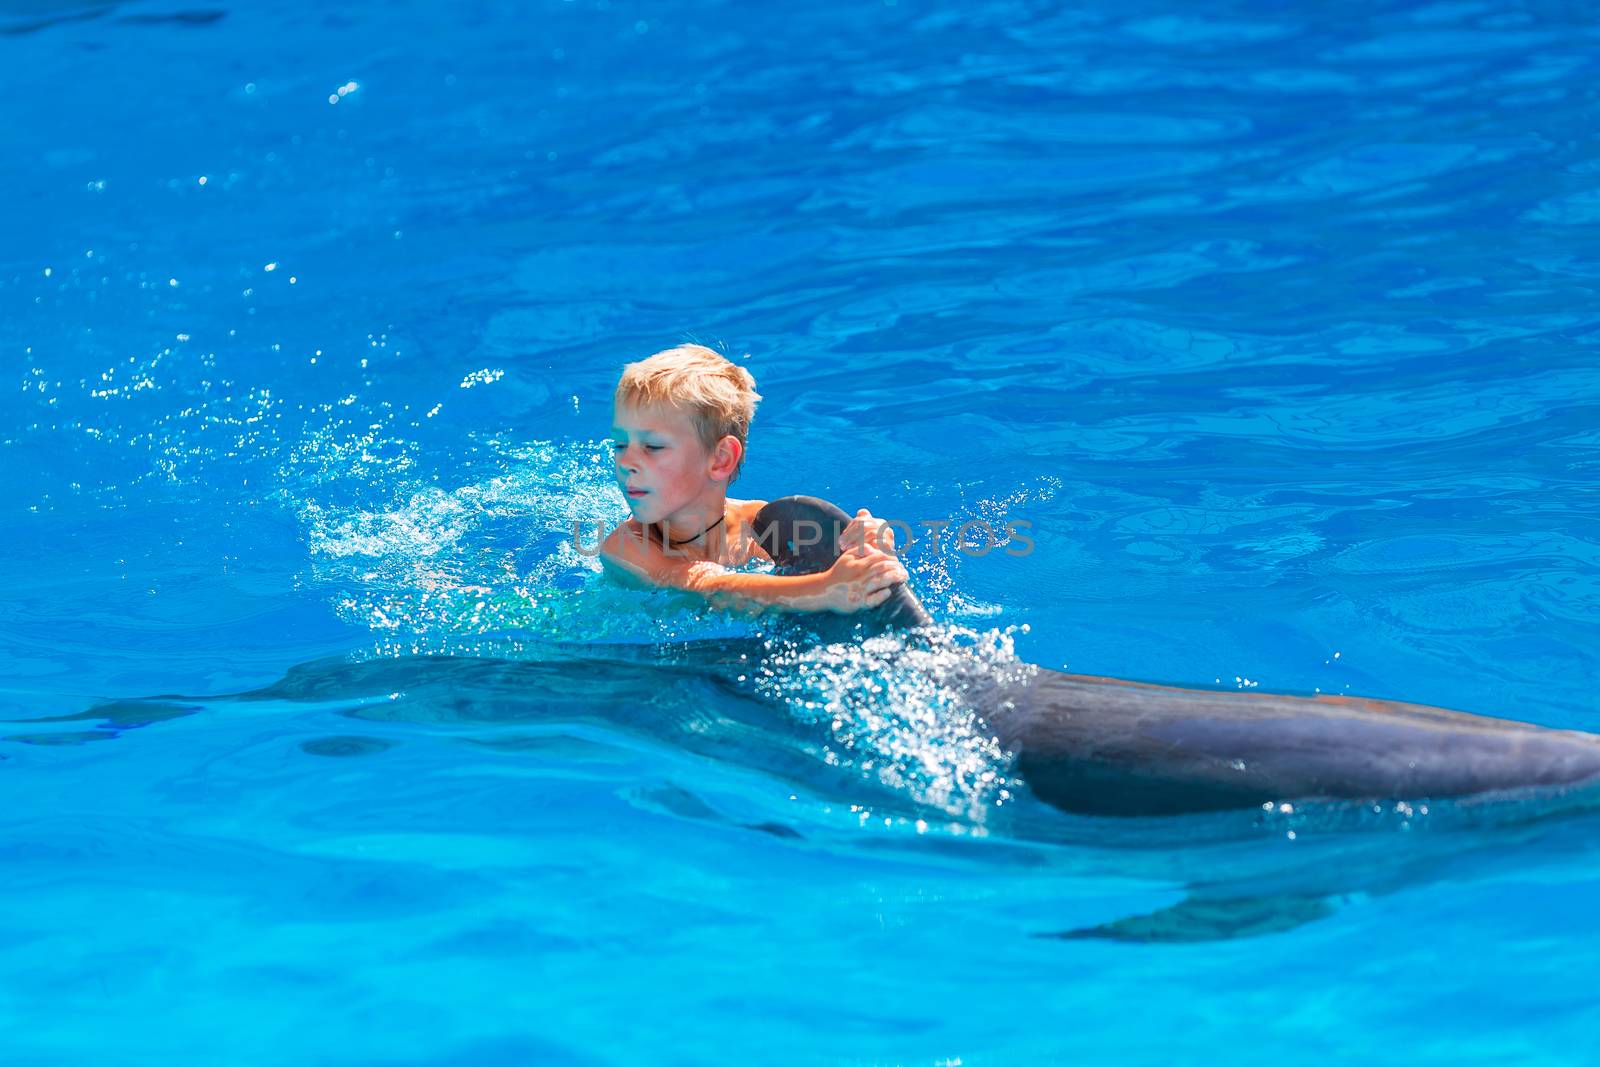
1111, 747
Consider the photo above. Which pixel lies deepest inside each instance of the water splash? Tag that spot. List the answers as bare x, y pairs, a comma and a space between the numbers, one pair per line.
903, 710
973, 529
429, 568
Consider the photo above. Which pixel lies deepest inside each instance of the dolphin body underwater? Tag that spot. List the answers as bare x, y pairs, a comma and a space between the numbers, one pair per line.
1097, 754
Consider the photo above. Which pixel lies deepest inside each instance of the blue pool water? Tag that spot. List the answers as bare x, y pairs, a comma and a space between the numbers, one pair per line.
1279, 327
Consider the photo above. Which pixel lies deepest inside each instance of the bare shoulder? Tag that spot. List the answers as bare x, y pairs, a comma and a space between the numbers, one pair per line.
629, 556
746, 509
627, 533
745, 512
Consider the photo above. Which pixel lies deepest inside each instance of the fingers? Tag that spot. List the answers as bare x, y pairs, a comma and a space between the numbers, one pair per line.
865, 583
864, 530
879, 533
867, 556
885, 575
854, 538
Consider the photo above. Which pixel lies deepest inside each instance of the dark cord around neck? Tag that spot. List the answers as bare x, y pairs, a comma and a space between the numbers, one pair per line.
696, 537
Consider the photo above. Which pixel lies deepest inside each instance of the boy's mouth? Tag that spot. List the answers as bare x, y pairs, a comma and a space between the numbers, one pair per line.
636, 493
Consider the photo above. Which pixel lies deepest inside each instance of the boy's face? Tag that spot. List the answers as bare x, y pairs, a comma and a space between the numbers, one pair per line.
661, 466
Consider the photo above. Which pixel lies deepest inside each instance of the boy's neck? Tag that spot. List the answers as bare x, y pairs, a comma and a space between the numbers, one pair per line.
697, 523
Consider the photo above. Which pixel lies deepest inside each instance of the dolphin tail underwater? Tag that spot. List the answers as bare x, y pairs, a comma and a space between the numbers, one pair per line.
1106, 746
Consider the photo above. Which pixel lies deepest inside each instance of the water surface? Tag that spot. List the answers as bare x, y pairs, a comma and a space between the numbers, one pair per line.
1278, 326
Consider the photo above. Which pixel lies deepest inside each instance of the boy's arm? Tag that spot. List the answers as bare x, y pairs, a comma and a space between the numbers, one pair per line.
857, 580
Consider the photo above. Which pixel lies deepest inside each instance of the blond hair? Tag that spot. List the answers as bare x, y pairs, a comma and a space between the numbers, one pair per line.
718, 396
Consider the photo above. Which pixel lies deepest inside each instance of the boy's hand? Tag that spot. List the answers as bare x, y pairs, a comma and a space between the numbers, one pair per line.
861, 578
866, 530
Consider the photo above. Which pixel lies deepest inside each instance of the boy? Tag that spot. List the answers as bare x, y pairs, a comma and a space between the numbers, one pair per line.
678, 432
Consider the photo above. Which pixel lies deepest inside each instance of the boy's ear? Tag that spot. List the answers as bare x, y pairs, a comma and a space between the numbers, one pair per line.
725, 457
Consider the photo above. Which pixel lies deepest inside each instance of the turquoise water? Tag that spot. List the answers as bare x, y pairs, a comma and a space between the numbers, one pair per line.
1279, 327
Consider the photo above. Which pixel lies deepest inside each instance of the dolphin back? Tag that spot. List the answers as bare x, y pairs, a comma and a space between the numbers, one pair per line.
1104, 746
801, 534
